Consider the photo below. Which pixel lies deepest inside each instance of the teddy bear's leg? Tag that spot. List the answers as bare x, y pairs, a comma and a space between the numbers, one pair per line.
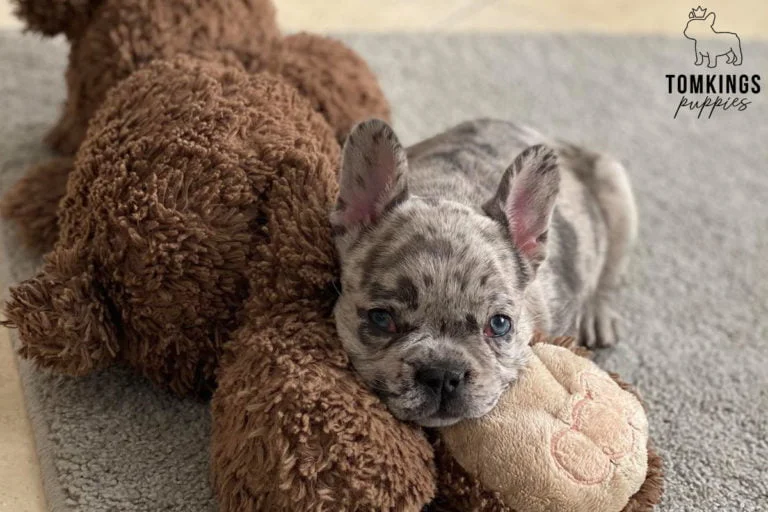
183, 285
63, 318
190, 372
33, 202
294, 429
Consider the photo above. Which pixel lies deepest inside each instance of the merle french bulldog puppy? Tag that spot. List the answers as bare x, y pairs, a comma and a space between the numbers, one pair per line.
455, 250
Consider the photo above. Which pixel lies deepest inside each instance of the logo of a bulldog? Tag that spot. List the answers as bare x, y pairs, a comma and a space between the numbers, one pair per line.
709, 43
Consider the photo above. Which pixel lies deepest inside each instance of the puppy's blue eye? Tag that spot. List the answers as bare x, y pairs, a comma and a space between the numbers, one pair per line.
498, 325
382, 319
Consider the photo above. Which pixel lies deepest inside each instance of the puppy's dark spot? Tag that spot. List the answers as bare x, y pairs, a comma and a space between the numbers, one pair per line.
408, 293
487, 149
405, 292
460, 278
364, 335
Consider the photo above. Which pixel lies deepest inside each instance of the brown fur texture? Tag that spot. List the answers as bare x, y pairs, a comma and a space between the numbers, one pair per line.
294, 429
34, 201
51, 17
158, 231
111, 39
335, 79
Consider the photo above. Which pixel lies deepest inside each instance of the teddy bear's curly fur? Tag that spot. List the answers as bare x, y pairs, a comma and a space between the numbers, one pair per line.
111, 42
194, 246
158, 232
111, 39
199, 185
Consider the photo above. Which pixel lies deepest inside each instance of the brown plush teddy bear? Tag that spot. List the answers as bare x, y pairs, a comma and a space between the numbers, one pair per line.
199, 185
111, 39
196, 214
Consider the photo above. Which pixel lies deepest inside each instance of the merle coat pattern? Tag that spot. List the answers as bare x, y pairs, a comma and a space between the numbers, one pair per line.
455, 250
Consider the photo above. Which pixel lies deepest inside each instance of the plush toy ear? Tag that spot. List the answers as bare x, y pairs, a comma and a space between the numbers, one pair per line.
51, 18
64, 321
373, 168
525, 200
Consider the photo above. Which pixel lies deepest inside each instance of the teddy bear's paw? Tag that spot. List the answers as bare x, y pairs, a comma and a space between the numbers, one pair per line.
63, 321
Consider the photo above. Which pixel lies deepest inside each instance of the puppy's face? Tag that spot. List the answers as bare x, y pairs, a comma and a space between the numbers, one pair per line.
432, 310
432, 313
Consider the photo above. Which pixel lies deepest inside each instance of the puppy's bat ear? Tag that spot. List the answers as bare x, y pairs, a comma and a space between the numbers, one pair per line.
525, 200
373, 176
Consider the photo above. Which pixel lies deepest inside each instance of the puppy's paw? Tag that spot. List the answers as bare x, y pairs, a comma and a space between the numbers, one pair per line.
607, 324
599, 325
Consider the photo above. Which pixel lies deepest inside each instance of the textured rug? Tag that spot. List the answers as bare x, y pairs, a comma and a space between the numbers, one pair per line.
695, 305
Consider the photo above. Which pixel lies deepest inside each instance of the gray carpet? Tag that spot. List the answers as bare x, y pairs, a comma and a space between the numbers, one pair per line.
696, 302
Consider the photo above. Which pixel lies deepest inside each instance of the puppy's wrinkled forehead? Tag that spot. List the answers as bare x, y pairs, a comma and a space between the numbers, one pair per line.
393, 244
432, 256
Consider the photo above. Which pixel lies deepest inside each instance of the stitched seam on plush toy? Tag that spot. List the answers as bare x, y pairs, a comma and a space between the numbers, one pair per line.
568, 473
612, 456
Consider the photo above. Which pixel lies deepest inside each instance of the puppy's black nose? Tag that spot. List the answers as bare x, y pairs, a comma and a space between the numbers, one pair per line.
445, 381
